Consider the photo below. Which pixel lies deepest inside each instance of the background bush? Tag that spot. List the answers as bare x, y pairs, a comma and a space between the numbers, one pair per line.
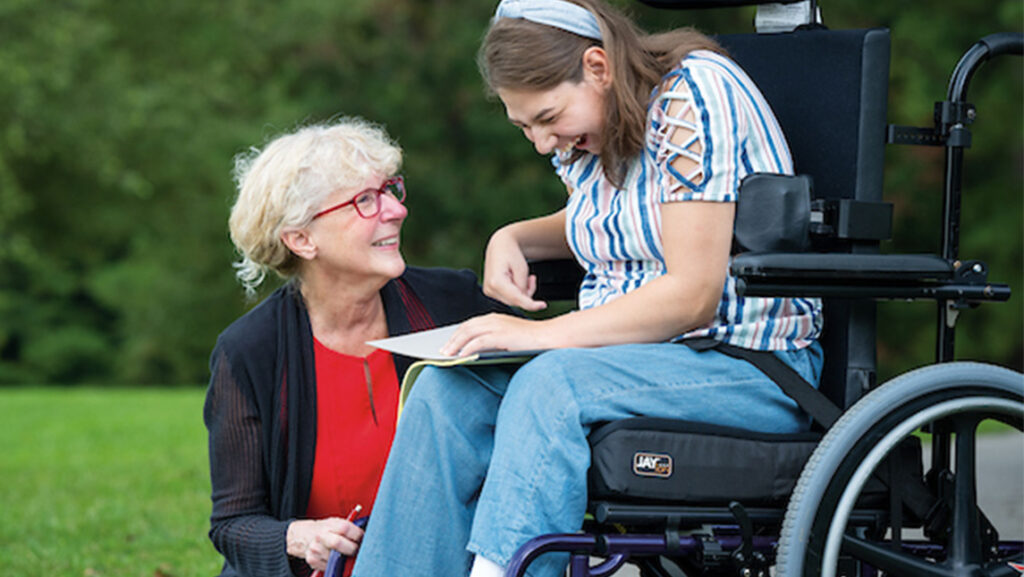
118, 122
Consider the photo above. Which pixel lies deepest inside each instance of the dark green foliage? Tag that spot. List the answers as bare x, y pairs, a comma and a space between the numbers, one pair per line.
119, 121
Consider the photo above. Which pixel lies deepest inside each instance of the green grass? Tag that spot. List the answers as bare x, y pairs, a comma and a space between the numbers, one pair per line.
104, 482
108, 482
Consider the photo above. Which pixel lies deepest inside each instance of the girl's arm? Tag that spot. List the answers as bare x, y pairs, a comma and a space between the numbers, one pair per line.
697, 237
507, 275
696, 240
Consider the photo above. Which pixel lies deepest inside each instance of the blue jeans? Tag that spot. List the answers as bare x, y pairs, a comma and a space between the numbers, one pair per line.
485, 459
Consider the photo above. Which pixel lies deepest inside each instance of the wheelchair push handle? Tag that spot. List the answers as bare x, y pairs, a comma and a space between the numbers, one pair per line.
991, 46
1004, 43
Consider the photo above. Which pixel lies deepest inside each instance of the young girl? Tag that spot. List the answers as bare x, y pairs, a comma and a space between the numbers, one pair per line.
651, 136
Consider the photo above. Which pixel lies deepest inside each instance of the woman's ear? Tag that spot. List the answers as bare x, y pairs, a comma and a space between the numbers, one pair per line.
299, 242
596, 66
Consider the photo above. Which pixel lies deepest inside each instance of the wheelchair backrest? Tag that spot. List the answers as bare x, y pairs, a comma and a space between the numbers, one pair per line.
829, 90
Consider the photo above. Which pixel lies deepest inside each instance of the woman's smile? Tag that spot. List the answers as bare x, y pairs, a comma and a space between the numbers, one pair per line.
389, 242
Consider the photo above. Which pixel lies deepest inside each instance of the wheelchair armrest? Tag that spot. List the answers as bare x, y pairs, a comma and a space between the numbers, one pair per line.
876, 276
881, 276
829, 266
557, 280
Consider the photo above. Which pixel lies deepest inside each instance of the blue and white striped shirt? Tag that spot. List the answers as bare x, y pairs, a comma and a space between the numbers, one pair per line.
616, 233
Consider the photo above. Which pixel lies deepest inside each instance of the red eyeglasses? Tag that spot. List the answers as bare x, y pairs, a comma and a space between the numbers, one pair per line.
367, 203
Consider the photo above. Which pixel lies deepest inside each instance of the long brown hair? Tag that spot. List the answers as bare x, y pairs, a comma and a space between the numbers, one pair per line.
523, 55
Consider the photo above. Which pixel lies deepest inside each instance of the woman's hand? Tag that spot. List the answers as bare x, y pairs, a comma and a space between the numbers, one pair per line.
496, 332
313, 540
507, 275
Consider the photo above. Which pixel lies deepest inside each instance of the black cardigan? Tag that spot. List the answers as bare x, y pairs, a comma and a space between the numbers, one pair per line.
260, 411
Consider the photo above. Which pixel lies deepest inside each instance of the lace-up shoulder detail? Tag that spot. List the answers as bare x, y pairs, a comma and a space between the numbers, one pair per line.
709, 126
681, 138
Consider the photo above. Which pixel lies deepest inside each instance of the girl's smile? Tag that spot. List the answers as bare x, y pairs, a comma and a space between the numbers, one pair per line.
565, 117
570, 115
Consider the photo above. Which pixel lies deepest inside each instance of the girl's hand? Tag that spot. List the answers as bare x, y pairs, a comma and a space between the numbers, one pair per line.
313, 540
507, 275
496, 332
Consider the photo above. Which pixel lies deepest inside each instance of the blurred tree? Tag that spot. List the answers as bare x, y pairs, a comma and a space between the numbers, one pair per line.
926, 45
118, 123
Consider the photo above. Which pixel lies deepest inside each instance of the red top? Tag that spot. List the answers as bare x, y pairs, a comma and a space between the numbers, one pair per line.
351, 444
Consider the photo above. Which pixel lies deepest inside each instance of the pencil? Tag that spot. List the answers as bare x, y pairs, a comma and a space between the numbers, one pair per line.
352, 514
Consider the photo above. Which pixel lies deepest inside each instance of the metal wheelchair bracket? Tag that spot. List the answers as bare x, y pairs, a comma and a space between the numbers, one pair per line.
672, 534
914, 136
748, 561
951, 120
948, 114
952, 313
848, 219
967, 274
971, 272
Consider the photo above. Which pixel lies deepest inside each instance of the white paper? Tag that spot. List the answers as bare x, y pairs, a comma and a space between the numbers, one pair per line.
427, 345
421, 345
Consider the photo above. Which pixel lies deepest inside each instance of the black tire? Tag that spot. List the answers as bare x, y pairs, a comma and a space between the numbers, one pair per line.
814, 528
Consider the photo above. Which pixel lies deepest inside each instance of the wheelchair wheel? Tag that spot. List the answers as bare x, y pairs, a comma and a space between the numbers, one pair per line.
956, 395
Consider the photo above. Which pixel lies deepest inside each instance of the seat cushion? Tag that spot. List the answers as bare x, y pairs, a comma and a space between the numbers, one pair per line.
649, 460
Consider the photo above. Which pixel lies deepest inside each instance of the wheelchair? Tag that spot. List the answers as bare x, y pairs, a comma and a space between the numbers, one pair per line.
860, 494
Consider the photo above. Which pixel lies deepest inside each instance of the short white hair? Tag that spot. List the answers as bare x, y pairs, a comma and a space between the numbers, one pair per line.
282, 186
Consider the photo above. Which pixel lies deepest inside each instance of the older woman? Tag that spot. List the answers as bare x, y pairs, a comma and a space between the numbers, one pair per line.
300, 410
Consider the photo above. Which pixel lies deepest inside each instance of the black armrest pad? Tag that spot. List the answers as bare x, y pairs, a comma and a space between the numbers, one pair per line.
831, 267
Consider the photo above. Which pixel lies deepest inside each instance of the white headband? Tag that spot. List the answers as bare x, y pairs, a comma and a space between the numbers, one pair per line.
558, 13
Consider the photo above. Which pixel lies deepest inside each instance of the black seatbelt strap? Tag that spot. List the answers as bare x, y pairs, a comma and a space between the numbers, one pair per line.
915, 494
810, 399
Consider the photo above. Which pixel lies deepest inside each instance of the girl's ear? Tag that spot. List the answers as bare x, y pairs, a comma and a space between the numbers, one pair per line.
299, 242
596, 66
